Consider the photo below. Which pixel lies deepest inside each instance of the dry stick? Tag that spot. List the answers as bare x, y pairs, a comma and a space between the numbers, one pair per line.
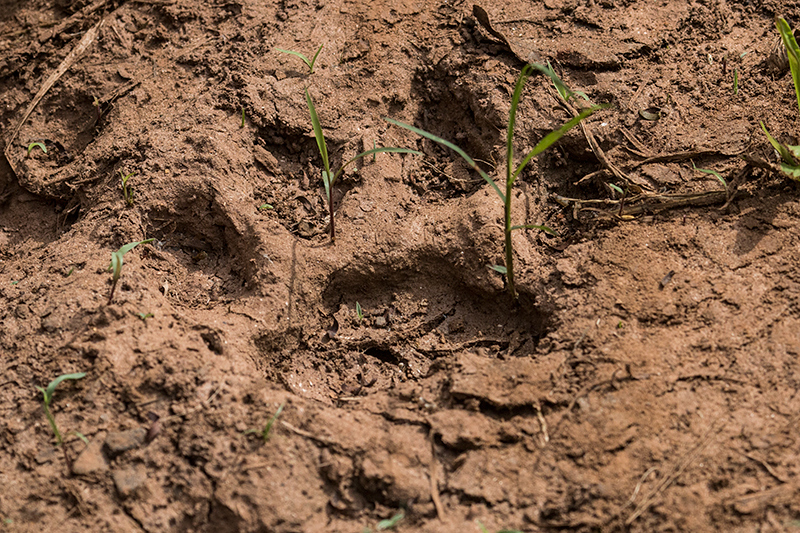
733, 184
435, 481
681, 156
645, 203
639, 145
638, 93
308, 435
677, 470
84, 43
75, 18
765, 465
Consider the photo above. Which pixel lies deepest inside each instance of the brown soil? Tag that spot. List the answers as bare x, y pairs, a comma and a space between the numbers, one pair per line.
646, 379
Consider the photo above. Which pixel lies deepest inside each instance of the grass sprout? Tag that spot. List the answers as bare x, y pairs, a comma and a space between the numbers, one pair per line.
47, 394
713, 173
309, 63
31, 146
389, 523
359, 312
512, 170
116, 264
127, 190
789, 154
144, 316
264, 433
792, 52
329, 178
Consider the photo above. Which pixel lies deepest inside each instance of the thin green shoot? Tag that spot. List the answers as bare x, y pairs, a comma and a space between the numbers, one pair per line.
792, 52
390, 523
359, 312
309, 63
242, 117
513, 171
48, 399
790, 155
617, 189
329, 178
265, 207
735, 81
713, 173
560, 86
33, 145
116, 264
467, 159
69, 273
265, 433
144, 316
127, 190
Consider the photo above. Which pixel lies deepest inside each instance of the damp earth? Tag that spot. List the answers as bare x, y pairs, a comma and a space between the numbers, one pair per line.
645, 379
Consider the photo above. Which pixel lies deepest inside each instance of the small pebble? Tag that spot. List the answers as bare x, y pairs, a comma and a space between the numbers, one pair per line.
129, 481
122, 441
90, 460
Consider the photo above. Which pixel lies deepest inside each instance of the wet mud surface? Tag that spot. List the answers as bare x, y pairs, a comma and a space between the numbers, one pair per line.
645, 379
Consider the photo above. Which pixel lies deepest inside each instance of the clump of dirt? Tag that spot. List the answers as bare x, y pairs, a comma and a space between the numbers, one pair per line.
645, 379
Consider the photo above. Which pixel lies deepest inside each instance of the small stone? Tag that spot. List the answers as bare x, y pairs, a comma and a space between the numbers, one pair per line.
90, 460
122, 441
46, 455
129, 481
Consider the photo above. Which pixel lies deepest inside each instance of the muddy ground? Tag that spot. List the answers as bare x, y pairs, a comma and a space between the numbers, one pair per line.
645, 379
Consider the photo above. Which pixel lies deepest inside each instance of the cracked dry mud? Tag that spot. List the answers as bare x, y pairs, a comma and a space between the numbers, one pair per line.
645, 381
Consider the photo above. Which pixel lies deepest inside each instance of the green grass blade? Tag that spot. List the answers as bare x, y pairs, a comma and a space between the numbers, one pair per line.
713, 173
390, 523
33, 145
789, 164
453, 147
116, 257
131, 245
512, 119
560, 86
616, 188
314, 59
116, 265
792, 52
51, 388
268, 427
301, 56
786, 155
327, 176
554, 136
376, 151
